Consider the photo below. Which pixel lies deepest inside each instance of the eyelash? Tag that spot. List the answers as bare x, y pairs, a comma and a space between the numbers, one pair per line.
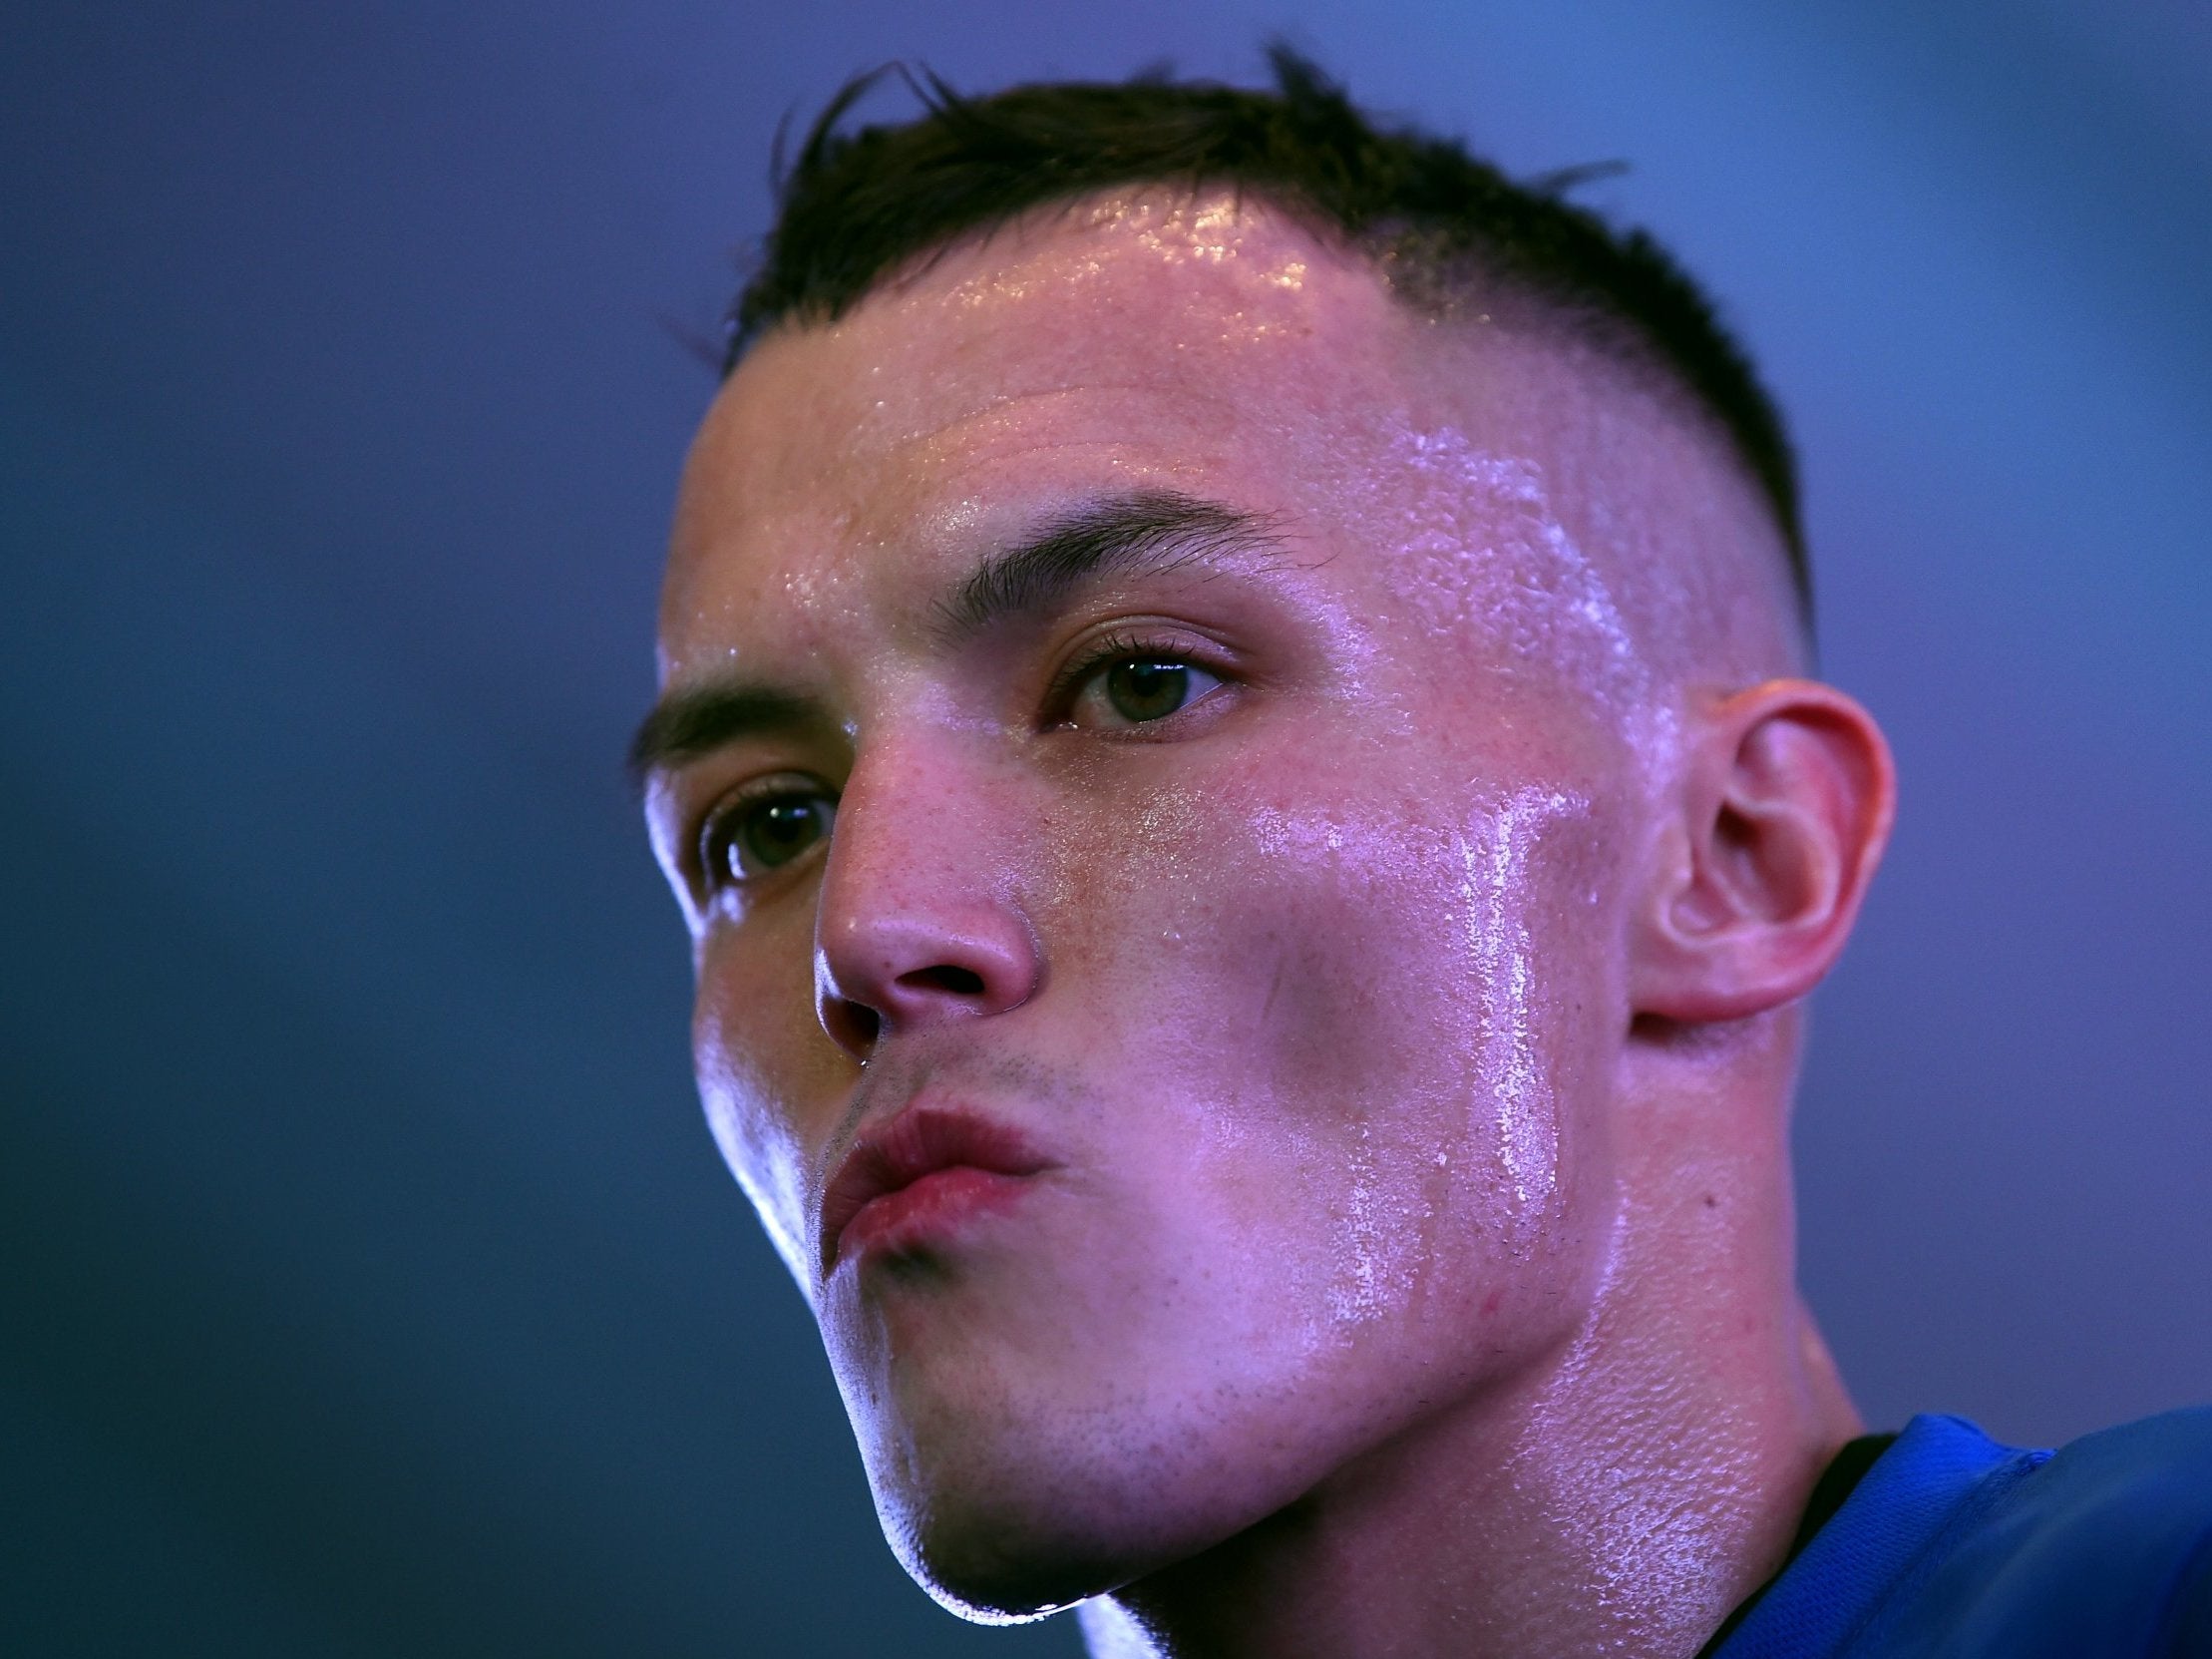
1114, 648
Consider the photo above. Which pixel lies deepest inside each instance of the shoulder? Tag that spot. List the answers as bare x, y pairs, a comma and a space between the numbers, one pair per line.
2103, 1547
2156, 1447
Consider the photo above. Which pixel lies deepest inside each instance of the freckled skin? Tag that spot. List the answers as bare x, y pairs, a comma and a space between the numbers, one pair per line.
1390, 1293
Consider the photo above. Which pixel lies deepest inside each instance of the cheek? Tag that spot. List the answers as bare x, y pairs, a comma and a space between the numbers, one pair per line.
1363, 1024
759, 1057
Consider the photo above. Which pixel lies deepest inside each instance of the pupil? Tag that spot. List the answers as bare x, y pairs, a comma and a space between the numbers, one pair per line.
779, 831
1147, 690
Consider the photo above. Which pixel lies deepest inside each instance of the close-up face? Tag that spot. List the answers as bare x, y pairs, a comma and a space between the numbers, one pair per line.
1158, 772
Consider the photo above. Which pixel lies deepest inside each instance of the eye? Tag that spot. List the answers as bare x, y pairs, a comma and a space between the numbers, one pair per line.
1130, 684
761, 830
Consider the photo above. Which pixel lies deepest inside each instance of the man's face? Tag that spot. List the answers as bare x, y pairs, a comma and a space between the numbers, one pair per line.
1231, 922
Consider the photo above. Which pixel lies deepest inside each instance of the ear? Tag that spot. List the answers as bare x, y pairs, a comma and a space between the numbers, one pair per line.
1784, 806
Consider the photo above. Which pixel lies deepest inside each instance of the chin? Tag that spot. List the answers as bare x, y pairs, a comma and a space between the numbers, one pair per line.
999, 1526
994, 1563
1005, 1530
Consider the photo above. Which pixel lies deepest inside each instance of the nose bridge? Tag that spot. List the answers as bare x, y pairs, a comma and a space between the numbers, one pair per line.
893, 815
920, 918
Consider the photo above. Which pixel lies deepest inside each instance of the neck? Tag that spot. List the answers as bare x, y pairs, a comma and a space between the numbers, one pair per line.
1621, 1494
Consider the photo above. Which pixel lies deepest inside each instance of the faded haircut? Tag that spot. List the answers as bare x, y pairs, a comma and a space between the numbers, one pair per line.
856, 205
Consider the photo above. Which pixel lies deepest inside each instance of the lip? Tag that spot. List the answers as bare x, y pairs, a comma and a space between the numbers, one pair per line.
918, 1178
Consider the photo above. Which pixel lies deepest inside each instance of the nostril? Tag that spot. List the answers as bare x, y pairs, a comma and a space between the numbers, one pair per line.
856, 1026
961, 981
859, 1025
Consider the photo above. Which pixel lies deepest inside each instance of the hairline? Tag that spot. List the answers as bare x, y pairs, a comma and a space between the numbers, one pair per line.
1440, 288
1433, 287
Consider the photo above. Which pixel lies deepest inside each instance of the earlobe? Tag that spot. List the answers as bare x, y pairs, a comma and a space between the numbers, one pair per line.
1782, 810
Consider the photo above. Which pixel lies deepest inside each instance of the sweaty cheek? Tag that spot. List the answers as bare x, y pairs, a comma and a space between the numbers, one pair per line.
1343, 1015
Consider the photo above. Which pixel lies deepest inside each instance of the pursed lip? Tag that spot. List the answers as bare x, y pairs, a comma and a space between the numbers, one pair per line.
919, 1142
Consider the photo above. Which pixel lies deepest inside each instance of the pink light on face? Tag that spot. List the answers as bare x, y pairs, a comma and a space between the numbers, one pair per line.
1487, 560
1502, 967
1470, 1147
919, 1177
1310, 975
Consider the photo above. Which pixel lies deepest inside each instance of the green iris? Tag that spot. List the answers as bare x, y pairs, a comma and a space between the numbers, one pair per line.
1141, 690
776, 831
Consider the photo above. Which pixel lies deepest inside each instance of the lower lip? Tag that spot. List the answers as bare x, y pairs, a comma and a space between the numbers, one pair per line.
930, 1211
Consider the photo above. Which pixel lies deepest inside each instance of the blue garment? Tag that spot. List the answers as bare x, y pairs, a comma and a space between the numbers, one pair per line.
1954, 1546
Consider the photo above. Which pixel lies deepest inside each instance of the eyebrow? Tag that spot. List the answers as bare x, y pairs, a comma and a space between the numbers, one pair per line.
1139, 533
686, 724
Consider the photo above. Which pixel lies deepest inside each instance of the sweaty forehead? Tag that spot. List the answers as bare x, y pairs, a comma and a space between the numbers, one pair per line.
1145, 290
1217, 349
1121, 342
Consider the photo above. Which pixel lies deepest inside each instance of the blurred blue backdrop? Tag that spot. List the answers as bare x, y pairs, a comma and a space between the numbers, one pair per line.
371, 1286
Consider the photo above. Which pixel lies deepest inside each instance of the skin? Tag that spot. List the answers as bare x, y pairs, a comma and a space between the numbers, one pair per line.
1410, 1017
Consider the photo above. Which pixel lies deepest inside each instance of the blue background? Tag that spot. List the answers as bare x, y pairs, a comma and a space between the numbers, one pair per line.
371, 1286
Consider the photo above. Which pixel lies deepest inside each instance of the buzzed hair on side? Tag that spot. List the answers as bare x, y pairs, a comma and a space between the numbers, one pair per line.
855, 205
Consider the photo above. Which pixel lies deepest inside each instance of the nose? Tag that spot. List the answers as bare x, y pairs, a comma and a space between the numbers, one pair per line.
918, 921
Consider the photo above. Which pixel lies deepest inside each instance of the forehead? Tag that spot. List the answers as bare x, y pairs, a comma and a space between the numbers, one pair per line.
1126, 343
1511, 474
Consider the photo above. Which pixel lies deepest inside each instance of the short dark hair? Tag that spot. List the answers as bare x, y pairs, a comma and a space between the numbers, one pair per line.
856, 205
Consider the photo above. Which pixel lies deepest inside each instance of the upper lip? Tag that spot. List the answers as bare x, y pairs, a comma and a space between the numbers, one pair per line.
920, 1141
